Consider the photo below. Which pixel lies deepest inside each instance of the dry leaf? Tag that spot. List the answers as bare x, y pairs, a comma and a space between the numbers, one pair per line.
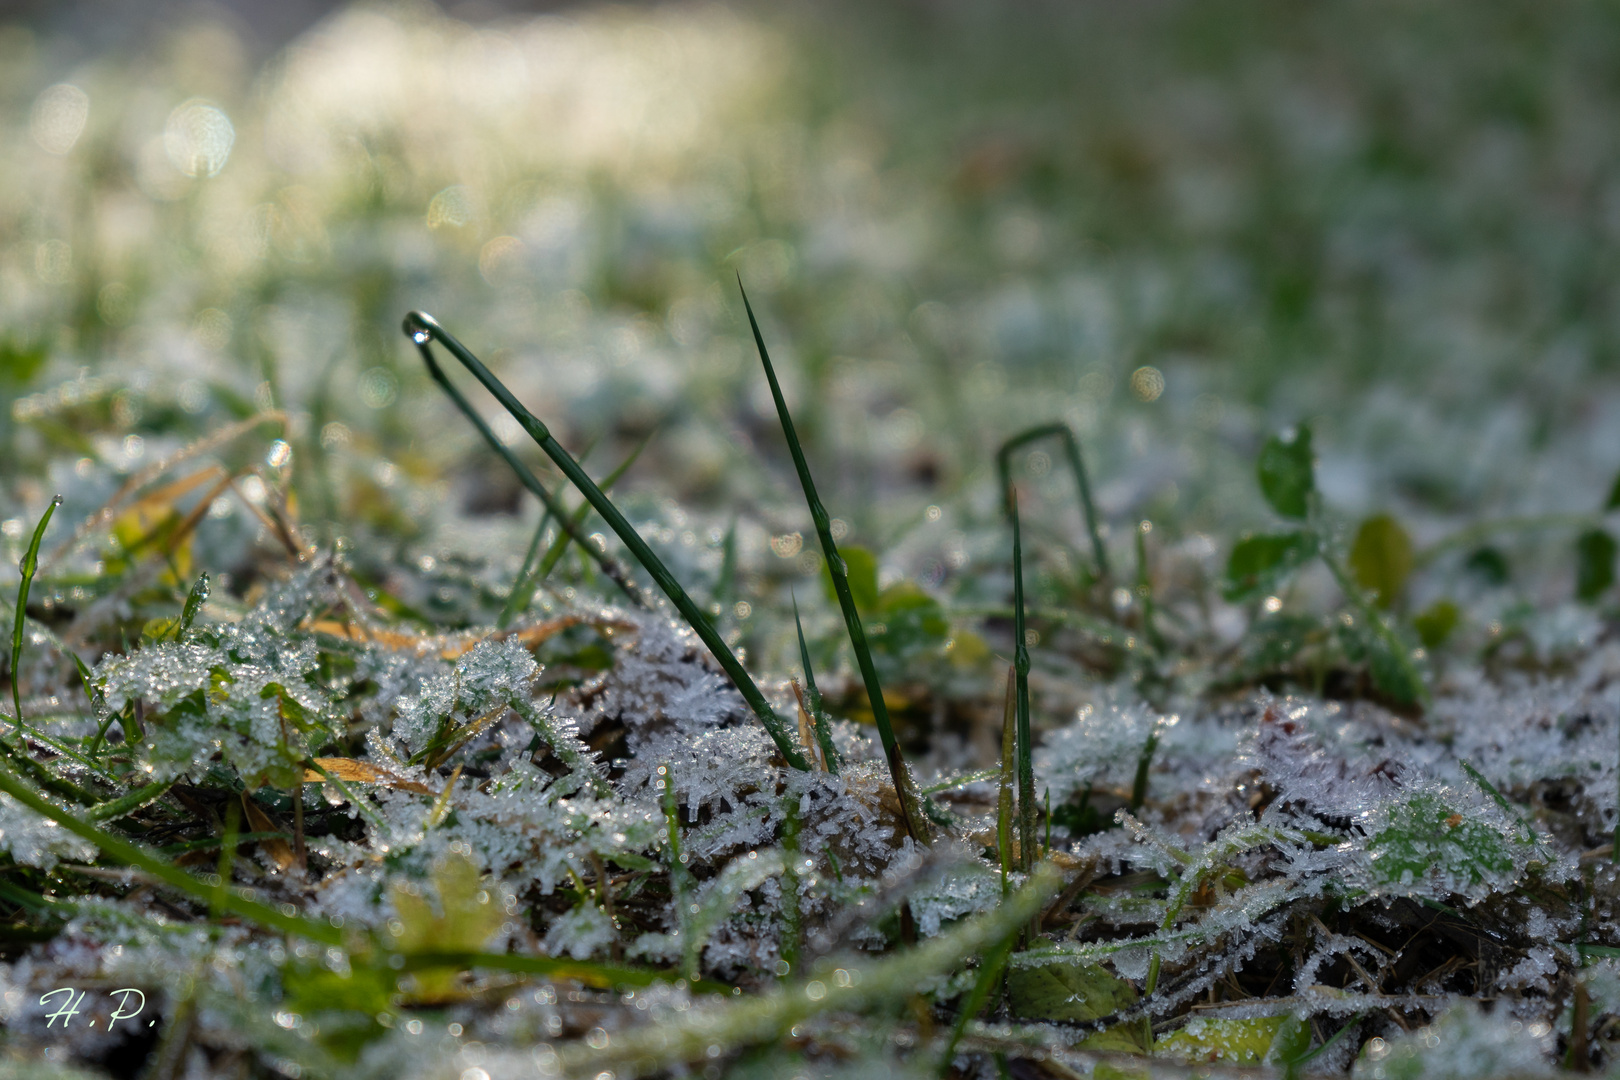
259, 821
448, 649
351, 771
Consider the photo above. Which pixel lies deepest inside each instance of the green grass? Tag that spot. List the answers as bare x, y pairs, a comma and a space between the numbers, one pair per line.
1322, 293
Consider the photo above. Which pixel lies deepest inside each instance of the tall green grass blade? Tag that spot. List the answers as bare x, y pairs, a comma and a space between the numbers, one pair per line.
1005, 800
523, 585
423, 329
818, 714
680, 878
1144, 766
1026, 751
30, 567
1071, 449
589, 972
549, 563
916, 823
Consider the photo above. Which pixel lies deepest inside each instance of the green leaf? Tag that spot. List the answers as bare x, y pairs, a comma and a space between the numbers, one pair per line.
1259, 563
20, 363
912, 621
1287, 471
1594, 564
1436, 622
1077, 991
1381, 558
1290, 1045
1613, 501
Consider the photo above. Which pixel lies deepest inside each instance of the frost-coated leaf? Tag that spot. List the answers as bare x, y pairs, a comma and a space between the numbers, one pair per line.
1381, 558
1427, 839
1259, 563
1287, 471
1224, 1041
1594, 564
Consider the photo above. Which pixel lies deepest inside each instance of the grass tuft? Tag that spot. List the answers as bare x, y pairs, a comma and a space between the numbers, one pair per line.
423, 329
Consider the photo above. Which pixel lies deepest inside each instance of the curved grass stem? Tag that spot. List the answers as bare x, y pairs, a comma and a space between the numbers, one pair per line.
1071, 450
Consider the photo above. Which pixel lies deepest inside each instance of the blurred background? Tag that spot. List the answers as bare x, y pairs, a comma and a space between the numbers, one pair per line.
1176, 226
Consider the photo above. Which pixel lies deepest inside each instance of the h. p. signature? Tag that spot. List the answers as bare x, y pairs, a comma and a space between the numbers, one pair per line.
71, 999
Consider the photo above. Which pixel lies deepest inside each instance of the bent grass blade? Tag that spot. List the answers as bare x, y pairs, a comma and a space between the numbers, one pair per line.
422, 329
1071, 449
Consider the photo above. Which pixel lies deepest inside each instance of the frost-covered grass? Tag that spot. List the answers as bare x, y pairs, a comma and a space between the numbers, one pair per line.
1288, 327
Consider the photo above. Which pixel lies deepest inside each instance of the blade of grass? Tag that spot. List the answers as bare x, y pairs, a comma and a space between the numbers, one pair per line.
680, 878
764, 1017
916, 823
194, 602
423, 329
1144, 590
1026, 752
818, 714
588, 972
549, 563
1004, 797
522, 585
1071, 448
726, 582
30, 566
